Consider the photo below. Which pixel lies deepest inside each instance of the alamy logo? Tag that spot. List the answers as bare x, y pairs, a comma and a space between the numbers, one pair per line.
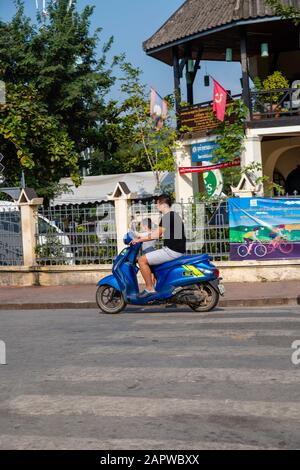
296, 354
2, 353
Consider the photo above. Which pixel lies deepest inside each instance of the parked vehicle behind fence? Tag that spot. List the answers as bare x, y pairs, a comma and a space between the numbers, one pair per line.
50, 238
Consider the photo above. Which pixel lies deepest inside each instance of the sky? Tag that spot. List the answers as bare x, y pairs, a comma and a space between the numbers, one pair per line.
133, 21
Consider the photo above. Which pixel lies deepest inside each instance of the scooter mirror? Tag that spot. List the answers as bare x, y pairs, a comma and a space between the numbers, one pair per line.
128, 238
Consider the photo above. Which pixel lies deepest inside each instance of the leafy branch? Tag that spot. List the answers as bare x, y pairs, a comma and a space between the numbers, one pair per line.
285, 11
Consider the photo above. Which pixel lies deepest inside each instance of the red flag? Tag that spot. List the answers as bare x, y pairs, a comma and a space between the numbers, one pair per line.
219, 103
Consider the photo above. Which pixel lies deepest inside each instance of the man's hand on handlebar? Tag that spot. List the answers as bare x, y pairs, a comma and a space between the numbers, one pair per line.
135, 241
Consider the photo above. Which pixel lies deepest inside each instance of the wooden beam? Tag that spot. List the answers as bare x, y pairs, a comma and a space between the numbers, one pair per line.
274, 62
182, 64
177, 91
190, 76
244, 63
197, 63
189, 87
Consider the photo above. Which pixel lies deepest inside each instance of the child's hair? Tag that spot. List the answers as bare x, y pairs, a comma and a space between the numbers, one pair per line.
147, 222
165, 199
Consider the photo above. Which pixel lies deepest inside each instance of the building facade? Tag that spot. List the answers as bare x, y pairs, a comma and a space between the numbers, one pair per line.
248, 32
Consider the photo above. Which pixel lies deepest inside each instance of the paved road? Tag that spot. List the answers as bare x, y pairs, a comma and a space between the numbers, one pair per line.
153, 379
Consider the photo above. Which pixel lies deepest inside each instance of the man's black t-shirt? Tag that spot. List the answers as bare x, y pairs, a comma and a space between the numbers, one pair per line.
174, 236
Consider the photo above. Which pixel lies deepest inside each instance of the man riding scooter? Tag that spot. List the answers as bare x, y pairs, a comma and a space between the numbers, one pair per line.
171, 229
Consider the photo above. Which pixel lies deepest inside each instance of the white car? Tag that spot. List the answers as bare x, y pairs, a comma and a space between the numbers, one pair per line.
10, 230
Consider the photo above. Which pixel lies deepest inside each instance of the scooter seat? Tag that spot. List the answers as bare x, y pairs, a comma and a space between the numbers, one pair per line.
187, 259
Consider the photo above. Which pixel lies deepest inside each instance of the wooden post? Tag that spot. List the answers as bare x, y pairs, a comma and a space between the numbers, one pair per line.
245, 74
189, 86
189, 80
190, 76
177, 90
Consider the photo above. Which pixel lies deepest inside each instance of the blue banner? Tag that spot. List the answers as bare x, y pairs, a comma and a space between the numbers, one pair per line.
264, 228
203, 151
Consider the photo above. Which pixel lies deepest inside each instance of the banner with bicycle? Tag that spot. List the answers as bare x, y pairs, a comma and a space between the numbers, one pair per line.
264, 228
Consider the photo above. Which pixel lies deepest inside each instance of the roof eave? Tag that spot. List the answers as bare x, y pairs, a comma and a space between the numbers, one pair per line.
208, 32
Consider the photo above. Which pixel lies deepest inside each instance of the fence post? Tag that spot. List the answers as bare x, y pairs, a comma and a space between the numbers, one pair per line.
185, 185
122, 199
28, 203
252, 154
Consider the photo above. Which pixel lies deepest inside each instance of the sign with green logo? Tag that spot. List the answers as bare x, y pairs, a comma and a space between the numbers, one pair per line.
213, 182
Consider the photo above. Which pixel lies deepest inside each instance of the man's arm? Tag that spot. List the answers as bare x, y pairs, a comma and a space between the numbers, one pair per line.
153, 235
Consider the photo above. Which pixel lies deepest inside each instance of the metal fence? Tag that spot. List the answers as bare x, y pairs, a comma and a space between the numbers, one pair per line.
270, 104
72, 235
207, 228
11, 247
206, 225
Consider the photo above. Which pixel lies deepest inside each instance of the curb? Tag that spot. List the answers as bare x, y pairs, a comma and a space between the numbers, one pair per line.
260, 302
88, 305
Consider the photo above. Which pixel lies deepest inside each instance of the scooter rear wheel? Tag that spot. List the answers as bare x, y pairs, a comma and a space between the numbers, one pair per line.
110, 300
210, 299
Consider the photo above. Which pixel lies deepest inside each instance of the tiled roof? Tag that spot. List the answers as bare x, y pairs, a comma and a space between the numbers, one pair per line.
196, 16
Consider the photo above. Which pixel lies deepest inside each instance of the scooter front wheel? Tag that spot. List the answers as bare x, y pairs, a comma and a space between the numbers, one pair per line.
209, 299
110, 300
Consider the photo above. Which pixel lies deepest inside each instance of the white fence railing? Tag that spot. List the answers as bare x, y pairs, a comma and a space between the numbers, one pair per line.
76, 235
11, 249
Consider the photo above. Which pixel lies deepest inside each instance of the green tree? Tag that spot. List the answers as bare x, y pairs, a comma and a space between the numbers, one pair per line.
140, 141
285, 11
230, 139
136, 144
60, 59
32, 139
69, 77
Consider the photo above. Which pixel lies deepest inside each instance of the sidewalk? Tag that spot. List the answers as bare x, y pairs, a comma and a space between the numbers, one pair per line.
256, 294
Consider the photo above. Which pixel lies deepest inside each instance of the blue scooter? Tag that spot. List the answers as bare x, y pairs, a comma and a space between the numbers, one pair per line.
189, 280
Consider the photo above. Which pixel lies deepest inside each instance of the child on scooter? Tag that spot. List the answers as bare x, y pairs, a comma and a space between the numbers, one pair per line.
146, 228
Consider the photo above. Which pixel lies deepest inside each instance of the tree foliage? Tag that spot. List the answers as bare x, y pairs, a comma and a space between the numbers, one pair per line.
56, 68
230, 139
58, 80
35, 141
137, 143
285, 11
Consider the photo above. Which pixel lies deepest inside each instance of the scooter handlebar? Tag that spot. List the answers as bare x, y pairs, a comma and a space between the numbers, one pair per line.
128, 237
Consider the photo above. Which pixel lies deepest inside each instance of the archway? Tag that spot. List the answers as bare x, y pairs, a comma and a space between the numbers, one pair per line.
288, 166
280, 158
293, 182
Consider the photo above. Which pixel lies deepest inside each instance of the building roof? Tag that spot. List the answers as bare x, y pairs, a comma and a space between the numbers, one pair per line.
198, 16
97, 188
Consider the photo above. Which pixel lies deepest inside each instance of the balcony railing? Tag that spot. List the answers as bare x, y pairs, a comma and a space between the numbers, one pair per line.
271, 104
281, 103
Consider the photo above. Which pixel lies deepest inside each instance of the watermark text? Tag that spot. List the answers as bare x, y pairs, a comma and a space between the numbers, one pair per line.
2, 353
296, 354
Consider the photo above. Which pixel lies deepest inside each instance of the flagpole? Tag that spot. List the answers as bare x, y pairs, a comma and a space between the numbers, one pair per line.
152, 88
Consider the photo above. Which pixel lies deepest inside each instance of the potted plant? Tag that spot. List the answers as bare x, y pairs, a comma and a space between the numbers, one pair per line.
275, 81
